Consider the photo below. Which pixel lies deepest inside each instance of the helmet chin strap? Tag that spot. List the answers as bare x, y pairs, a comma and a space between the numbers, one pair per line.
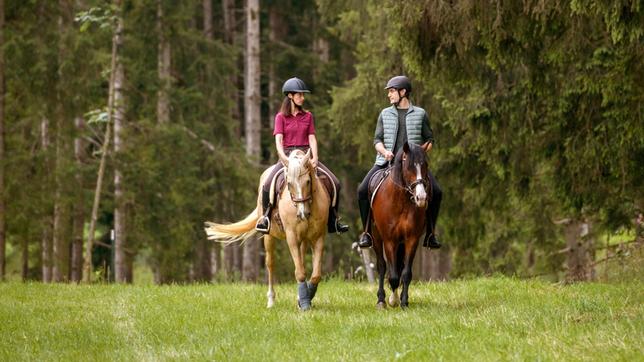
399, 98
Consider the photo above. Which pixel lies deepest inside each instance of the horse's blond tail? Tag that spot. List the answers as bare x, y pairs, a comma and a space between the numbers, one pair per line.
230, 233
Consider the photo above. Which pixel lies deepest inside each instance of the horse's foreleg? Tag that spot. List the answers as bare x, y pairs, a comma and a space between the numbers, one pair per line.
316, 275
303, 246
303, 299
394, 277
410, 251
298, 261
269, 245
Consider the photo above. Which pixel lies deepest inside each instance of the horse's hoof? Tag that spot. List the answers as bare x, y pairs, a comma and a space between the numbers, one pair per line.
381, 306
404, 306
303, 298
393, 301
304, 306
312, 289
270, 304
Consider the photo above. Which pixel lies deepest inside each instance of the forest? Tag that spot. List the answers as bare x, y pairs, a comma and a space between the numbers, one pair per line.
126, 124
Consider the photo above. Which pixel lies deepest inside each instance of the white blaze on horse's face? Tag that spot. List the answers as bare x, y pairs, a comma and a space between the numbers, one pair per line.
298, 178
420, 195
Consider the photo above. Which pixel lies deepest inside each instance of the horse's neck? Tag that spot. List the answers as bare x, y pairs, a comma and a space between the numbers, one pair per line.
316, 186
397, 191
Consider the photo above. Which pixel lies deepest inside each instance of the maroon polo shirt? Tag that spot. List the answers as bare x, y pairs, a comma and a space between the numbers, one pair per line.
295, 129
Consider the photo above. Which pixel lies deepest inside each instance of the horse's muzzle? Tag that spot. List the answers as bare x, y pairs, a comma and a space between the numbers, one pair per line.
303, 214
420, 196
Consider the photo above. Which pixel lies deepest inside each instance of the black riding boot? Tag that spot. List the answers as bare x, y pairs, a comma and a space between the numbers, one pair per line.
430, 237
365, 239
264, 223
432, 215
333, 224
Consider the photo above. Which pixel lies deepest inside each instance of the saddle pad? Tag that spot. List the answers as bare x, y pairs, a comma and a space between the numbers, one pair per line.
280, 182
376, 180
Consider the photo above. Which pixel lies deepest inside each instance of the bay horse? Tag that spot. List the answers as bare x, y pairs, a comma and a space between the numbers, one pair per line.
300, 219
398, 214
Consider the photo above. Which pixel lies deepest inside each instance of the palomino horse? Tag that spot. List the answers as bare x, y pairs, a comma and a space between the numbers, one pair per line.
303, 209
399, 220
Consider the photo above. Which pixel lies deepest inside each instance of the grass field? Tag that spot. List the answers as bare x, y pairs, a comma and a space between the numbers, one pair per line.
481, 319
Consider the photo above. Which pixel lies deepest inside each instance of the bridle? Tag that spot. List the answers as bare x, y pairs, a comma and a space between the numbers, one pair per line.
302, 199
410, 187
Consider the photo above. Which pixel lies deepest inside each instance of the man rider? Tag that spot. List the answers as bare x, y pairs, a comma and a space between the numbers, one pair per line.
400, 123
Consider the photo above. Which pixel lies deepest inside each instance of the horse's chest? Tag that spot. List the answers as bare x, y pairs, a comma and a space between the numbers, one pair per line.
411, 223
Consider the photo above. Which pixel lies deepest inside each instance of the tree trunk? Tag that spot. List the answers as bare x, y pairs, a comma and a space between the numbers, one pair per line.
580, 247
228, 9
104, 149
61, 206
79, 208
164, 60
230, 34
46, 247
2, 160
444, 263
60, 245
252, 100
207, 19
369, 264
435, 265
25, 259
204, 253
122, 272
422, 257
276, 32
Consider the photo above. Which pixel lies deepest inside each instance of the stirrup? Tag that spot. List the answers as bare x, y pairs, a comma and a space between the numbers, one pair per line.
337, 227
432, 242
366, 244
263, 225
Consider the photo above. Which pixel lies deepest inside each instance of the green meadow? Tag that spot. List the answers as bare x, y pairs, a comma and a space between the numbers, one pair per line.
482, 319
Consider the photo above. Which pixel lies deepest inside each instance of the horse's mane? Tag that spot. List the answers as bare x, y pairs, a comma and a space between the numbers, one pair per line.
294, 169
416, 155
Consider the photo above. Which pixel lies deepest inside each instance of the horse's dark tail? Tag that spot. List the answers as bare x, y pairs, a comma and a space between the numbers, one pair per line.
230, 233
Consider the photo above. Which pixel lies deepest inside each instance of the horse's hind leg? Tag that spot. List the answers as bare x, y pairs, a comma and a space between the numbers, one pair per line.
269, 245
382, 268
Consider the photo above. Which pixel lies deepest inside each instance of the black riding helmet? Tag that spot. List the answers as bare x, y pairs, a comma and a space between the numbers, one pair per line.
295, 85
400, 82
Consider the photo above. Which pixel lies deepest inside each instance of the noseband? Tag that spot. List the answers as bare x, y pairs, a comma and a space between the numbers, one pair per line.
303, 199
410, 188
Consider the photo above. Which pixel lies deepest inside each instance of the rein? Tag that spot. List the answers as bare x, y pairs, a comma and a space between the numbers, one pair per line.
409, 188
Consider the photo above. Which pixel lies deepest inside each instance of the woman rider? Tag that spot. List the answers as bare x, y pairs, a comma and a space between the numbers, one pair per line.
295, 129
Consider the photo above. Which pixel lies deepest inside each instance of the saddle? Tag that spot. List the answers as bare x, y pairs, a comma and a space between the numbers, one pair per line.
279, 182
374, 183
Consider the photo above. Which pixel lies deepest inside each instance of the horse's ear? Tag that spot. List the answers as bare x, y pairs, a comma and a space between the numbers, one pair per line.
406, 147
307, 157
427, 146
